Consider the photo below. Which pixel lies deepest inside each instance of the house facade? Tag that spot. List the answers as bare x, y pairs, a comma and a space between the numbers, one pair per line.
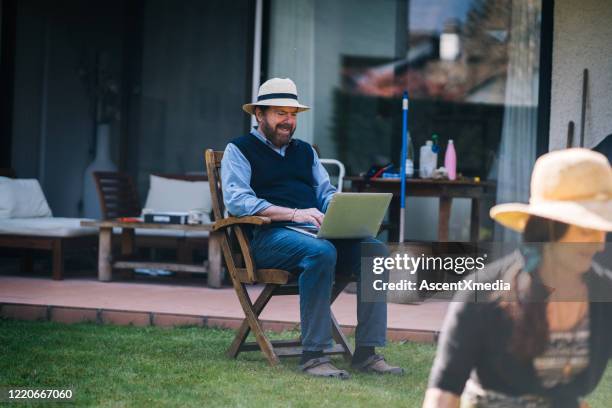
502, 78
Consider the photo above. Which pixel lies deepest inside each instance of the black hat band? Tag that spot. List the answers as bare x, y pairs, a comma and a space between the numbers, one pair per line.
276, 96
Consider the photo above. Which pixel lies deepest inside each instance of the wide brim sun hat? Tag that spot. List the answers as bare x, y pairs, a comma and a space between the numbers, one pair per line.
276, 92
573, 186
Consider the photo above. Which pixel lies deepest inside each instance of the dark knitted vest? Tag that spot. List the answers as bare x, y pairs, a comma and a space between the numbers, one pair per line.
285, 181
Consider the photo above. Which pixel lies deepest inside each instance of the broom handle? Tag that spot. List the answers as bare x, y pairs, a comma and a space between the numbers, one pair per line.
403, 164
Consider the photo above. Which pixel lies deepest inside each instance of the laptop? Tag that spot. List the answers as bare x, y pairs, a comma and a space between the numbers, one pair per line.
350, 215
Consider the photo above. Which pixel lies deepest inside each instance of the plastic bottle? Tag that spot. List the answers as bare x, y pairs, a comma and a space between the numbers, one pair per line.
450, 160
428, 160
435, 148
410, 159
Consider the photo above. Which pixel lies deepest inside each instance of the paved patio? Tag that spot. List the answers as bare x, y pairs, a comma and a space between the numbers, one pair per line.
171, 303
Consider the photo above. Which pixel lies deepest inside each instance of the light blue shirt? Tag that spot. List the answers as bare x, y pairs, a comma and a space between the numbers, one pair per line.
238, 196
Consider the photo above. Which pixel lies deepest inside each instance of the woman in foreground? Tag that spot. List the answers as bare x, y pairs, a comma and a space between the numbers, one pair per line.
547, 342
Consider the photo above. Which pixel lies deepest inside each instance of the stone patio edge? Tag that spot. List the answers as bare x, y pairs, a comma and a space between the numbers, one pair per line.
121, 317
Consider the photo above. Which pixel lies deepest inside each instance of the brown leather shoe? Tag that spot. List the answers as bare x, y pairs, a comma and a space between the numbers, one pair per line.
377, 364
322, 367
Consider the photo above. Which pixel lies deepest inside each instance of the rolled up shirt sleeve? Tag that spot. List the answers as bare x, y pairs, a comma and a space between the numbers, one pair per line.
238, 196
323, 187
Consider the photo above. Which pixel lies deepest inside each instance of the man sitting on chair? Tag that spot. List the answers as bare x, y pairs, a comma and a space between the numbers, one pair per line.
270, 174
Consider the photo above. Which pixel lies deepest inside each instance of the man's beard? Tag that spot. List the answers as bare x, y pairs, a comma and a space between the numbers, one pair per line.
273, 135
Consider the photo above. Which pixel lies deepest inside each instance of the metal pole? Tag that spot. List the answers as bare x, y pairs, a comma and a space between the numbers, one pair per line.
403, 165
585, 85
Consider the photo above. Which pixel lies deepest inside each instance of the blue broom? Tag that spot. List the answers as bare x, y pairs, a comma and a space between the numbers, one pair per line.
405, 138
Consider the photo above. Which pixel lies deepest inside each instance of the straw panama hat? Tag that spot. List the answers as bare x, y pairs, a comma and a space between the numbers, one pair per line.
573, 186
276, 92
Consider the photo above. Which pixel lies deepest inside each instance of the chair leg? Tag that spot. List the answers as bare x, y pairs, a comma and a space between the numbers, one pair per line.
245, 329
251, 318
58, 259
337, 333
341, 339
251, 322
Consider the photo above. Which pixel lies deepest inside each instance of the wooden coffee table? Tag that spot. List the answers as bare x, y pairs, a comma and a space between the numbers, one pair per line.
107, 260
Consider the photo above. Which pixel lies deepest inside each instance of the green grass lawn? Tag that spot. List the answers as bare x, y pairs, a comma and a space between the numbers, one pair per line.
129, 366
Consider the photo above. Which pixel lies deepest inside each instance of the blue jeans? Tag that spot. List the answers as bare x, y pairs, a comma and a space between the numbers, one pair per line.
316, 261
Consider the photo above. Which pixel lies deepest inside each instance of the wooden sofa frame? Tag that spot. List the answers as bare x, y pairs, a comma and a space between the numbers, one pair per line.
57, 245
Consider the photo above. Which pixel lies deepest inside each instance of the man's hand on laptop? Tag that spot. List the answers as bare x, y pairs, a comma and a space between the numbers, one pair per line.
310, 216
307, 215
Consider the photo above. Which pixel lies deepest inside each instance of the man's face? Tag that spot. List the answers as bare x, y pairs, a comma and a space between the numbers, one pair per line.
277, 124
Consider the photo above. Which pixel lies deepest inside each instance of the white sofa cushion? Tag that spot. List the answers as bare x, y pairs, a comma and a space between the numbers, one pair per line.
46, 227
6, 198
178, 195
22, 198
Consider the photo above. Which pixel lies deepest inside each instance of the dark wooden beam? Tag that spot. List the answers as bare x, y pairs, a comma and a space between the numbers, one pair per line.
8, 26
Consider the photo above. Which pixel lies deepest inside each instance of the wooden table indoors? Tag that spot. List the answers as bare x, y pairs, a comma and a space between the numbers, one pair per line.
445, 190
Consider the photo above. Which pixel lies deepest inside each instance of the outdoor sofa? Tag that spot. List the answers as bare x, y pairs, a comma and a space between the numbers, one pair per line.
27, 223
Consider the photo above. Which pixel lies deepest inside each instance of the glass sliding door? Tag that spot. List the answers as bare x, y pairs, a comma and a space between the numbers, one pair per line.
195, 76
471, 68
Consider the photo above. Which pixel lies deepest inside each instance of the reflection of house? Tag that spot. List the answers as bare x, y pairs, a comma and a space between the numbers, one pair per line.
477, 60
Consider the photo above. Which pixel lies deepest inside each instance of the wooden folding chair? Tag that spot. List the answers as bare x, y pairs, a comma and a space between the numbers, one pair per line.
242, 271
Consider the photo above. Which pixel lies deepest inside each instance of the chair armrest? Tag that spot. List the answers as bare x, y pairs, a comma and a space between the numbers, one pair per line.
252, 220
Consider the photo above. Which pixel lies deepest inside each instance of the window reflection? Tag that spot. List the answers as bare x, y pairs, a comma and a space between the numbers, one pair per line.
471, 68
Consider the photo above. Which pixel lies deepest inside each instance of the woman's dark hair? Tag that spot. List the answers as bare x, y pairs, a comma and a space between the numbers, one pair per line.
541, 230
527, 311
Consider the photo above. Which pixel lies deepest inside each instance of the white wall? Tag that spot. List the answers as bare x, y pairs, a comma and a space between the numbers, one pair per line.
291, 54
582, 39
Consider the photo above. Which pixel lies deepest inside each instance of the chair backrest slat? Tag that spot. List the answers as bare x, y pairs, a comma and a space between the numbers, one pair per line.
231, 247
117, 194
213, 168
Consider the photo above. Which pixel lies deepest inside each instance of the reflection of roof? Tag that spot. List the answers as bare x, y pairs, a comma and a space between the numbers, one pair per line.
480, 72
420, 51
437, 79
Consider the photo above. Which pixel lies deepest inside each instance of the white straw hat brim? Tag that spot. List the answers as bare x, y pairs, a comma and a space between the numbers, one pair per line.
595, 215
291, 103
